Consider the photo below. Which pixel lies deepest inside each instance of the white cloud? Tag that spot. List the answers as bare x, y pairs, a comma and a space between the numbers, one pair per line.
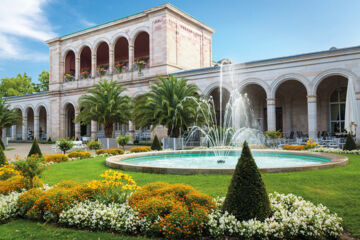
23, 19
87, 23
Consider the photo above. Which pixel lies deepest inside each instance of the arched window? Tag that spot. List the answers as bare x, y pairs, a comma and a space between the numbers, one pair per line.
69, 74
337, 110
142, 50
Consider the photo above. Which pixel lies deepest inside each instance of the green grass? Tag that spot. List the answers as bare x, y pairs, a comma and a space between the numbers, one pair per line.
336, 188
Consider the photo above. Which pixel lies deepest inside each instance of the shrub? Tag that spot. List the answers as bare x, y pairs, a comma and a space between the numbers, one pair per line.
122, 140
175, 210
80, 155
247, 197
294, 147
64, 144
156, 145
93, 145
8, 171
57, 157
12, 184
27, 199
2, 145
3, 160
8, 206
136, 142
30, 168
111, 151
275, 134
140, 149
310, 144
350, 143
35, 149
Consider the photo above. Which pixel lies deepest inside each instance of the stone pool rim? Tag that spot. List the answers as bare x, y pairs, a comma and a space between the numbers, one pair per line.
117, 162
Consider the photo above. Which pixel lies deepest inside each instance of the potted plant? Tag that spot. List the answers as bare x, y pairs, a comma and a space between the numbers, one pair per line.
69, 76
85, 73
141, 62
102, 70
119, 66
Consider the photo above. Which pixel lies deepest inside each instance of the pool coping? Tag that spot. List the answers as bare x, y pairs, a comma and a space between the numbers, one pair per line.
117, 162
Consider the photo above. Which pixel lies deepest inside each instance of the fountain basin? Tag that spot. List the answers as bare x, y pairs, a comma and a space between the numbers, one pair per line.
187, 162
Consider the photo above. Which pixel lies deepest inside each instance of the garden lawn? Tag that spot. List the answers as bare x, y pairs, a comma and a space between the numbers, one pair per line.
336, 188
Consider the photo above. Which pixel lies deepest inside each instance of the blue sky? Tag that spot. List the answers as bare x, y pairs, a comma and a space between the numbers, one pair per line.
245, 30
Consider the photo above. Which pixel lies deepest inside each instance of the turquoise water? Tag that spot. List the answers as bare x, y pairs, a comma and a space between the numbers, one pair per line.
209, 160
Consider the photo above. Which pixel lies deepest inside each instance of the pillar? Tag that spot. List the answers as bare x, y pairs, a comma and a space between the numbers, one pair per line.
271, 114
312, 117
357, 131
48, 127
131, 131
77, 126
77, 68
94, 128
93, 65
13, 132
24, 128
111, 60
36, 125
131, 57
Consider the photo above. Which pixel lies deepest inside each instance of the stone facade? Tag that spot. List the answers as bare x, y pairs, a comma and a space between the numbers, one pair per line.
290, 93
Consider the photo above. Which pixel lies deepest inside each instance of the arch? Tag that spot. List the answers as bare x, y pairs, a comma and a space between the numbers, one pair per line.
142, 45
334, 72
84, 45
99, 41
214, 85
119, 35
256, 81
66, 51
38, 106
69, 62
68, 101
69, 116
102, 54
85, 61
290, 76
121, 50
20, 108
136, 32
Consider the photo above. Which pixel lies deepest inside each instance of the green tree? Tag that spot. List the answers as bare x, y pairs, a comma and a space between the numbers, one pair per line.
122, 140
19, 85
156, 145
8, 117
64, 144
30, 168
43, 84
247, 197
35, 149
350, 143
3, 160
105, 104
169, 104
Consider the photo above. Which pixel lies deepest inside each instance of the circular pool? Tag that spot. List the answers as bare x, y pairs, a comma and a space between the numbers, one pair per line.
208, 162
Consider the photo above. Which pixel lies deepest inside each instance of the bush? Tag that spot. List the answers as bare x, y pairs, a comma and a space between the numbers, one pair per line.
156, 145
8, 206
35, 149
8, 171
2, 145
3, 160
140, 149
80, 155
247, 197
111, 151
64, 144
182, 210
30, 168
93, 145
27, 199
350, 143
275, 134
294, 147
57, 157
136, 142
122, 140
12, 184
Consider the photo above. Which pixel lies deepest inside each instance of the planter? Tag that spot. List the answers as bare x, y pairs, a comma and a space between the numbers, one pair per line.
173, 143
108, 143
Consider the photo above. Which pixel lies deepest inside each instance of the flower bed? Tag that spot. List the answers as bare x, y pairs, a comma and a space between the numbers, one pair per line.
111, 151
79, 155
140, 149
335, 150
294, 147
56, 158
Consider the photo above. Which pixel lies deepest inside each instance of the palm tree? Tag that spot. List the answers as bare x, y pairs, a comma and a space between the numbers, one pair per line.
104, 104
169, 103
8, 117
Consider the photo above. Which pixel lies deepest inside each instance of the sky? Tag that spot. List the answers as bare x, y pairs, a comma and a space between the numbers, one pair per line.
246, 30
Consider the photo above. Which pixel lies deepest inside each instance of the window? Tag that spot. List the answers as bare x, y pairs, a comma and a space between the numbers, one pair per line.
337, 110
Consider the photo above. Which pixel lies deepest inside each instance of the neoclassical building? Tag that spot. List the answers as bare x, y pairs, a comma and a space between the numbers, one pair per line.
301, 94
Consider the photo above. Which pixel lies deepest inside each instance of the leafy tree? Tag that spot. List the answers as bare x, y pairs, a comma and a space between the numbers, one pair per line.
3, 160
122, 140
30, 168
105, 104
93, 145
247, 197
2, 145
169, 104
19, 85
156, 145
350, 143
43, 84
64, 144
35, 149
8, 117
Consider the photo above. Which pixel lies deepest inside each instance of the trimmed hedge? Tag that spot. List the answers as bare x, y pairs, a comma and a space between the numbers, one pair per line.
35, 149
294, 147
80, 155
111, 151
247, 197
57, 157
350, 143
140, 149
156, 145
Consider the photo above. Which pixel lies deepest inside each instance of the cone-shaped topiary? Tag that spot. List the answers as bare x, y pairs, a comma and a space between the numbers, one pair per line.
3, 159
156, 145
247, 197
35, 149
350, 143
2, 144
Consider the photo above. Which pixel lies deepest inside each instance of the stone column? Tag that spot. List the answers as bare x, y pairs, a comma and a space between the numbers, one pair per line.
24, 128
77, 126
77, 68
48, 127
111, 60
358, 127
131, 131
312, 117
131, 57
271, 114
36, 126
93, 65
93, 130
13, 132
